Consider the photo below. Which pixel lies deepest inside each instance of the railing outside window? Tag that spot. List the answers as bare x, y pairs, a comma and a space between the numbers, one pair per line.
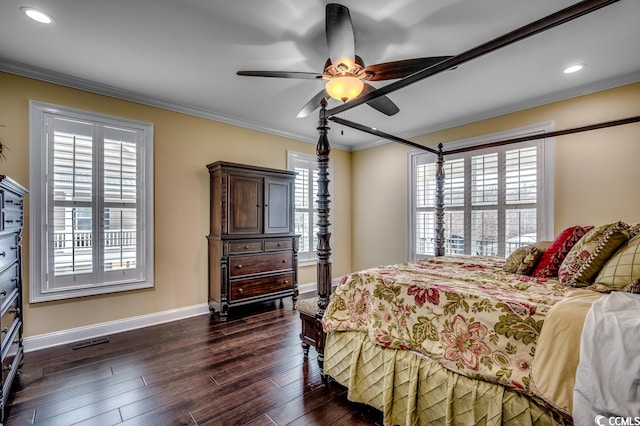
63, 240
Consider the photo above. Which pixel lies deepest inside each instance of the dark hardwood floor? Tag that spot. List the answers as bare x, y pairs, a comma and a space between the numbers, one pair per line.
197, 371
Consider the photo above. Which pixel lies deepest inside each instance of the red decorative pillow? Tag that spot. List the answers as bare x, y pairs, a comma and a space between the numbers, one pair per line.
553, 256
553, 248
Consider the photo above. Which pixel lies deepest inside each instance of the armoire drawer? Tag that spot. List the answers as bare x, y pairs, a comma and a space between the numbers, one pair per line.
240, 247
8, 249
12, 220
11, 201
255, 264
8, 281
274, 245
10, 315
10, 360
252, 287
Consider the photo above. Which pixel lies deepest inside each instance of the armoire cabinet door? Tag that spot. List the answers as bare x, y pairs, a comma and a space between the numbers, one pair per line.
245, 205
279, 199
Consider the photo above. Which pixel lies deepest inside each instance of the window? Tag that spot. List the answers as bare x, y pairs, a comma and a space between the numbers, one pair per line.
495, 199
306, 208
91, 203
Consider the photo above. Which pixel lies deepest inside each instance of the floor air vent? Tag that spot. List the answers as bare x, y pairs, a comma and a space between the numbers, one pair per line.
91, 342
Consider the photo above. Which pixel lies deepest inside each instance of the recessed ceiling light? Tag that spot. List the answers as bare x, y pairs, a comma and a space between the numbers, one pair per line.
573, 68
37, 15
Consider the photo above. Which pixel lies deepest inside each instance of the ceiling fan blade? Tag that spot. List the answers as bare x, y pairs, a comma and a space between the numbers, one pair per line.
313, 104
282, 74
401, 69
381, 103
340, 38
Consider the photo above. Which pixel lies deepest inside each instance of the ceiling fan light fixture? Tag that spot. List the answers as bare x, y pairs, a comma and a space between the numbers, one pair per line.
37, 15
344, 88
573, 68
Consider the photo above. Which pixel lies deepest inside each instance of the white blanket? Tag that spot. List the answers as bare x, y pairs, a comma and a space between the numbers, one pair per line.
608, 374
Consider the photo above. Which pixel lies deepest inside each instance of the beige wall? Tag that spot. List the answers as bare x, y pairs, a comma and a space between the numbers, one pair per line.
379, 206
368, 205
596, 173
183, 146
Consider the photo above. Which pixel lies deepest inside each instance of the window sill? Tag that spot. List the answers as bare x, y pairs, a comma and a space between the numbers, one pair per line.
307, 262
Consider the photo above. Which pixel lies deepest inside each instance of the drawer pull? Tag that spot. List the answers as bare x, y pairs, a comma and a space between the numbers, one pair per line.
246, 247
9, 221
16, 203
3, 292
3, 254
284, 260
279, 245
4, 330
238, 266
286, 281
240, 290
7, 367
15, 311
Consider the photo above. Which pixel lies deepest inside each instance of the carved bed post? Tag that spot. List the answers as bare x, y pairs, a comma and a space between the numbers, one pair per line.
323, 149
440, 175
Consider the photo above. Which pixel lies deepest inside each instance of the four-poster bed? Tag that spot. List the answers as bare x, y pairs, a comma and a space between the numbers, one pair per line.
357, 349
431, 380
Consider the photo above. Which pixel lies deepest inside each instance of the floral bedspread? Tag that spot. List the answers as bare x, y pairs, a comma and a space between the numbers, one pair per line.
466, 312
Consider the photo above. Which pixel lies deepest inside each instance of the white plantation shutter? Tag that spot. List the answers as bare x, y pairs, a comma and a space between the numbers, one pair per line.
121, 209
484, 179
306, 208
425, 217
494, 199
302, 205
521, 175
521, 195
95, 208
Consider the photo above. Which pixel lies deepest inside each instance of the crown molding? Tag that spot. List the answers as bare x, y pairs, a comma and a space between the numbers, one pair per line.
107, 90
66, 80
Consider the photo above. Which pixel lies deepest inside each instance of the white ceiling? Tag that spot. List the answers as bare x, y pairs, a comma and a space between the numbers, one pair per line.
183, 55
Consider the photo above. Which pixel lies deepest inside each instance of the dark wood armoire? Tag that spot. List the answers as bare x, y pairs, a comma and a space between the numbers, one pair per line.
11, 225
253, 250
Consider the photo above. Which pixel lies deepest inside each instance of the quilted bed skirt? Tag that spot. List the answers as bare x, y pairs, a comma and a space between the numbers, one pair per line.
411, 389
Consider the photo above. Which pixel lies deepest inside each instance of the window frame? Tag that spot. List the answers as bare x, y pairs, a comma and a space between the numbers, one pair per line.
41, 290
306, 258
545, 183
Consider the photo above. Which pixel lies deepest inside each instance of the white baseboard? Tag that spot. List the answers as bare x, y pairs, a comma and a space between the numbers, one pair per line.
62, 337
307, 290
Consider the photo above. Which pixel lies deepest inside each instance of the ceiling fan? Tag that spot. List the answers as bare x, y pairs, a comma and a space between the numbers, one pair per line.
345, 72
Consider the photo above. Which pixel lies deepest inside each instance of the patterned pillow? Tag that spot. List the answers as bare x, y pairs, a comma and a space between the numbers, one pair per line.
622, 271
523, 259
553, 256
588, 255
